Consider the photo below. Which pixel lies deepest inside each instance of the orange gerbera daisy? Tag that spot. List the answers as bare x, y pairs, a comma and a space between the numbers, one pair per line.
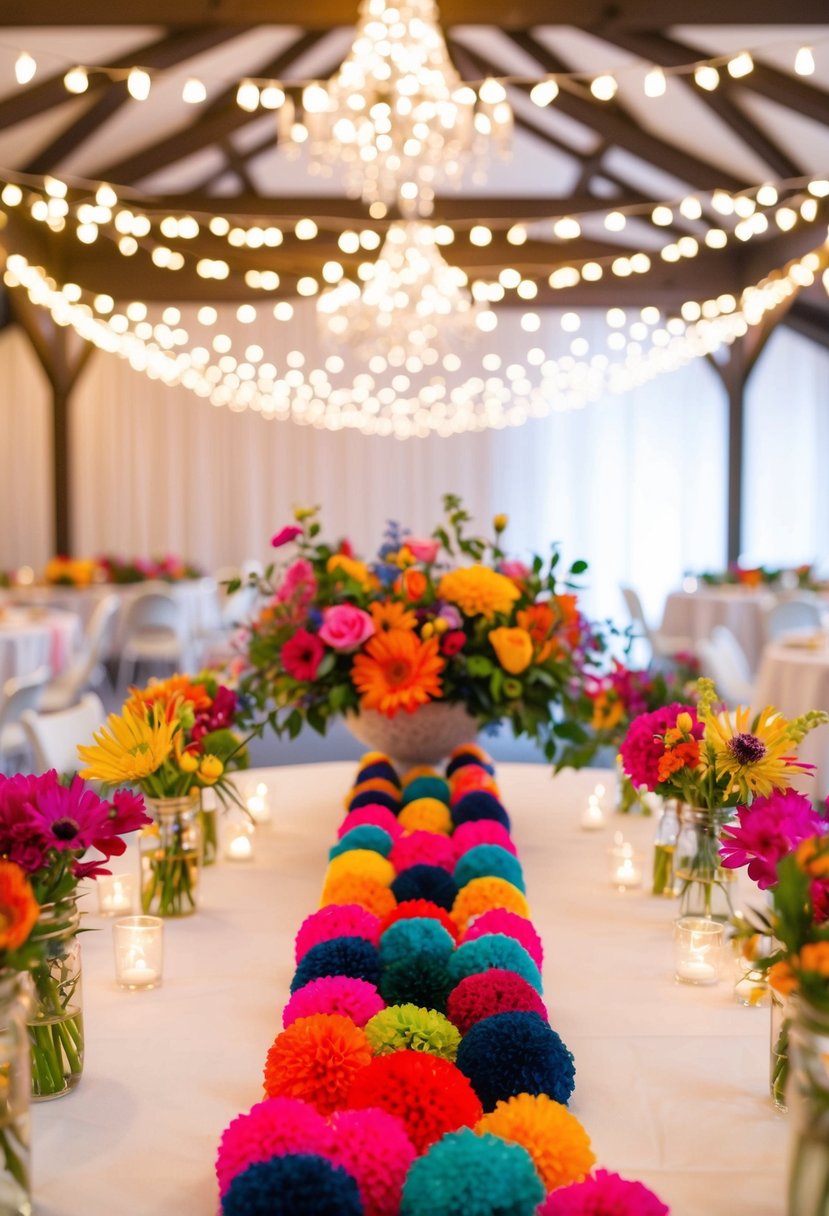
390, 614
165, 691
18, 907
397, 671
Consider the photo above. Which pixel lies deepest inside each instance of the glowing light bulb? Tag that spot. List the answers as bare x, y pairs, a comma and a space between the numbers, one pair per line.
76, 80
655, 82
139, 84
25, 67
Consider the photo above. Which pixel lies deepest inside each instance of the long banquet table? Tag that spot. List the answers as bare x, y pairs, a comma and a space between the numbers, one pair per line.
671, 1080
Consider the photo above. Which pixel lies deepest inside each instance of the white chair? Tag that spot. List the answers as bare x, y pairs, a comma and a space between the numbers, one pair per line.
723, 660
54, 738
87, 670
153, 633
216, 648
19, 694
663, 645
792, 615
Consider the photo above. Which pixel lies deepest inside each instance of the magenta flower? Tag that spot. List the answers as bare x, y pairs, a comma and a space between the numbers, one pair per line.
642, 747
423, 550
769, 829
285, 535
345, 628
515, 570
299, 584
301, 655
218, 716
603, 1194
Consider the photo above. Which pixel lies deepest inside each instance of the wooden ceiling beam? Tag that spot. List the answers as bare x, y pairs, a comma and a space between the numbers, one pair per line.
325, 14
615, 126
165, 53
215, 123
810, 321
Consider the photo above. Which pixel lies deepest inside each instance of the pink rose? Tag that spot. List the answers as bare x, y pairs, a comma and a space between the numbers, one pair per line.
515, 570
345, 627
285, 535
423, 550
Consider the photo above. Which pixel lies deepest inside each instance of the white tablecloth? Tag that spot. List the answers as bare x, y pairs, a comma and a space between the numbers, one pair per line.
742, 609
671, 1080
795, 679
37, 637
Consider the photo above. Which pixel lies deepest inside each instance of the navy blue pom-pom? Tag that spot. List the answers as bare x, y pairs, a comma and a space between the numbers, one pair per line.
374, 798
353, 956
426, 882
515, 1053
287, 1185
464, 758
479, 804
378, 768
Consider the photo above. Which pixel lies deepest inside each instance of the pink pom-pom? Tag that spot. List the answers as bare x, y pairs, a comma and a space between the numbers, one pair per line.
270, 1129
379, 816
501, 920
482, 831
374, 1148
423, 848
489, 992
336, 920
354, 998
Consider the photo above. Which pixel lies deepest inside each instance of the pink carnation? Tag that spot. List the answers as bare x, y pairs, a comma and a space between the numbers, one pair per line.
423, 848
344, 994
374, 1148
301, 656
481, 831
603, 1194
271, 1128
298, 585
423, 550
769, 829
374, 814
500, 920
285, 535
336, 920
345, 628
642, 748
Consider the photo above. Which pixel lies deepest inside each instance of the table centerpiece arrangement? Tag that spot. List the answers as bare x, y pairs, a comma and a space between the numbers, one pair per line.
63, 571
424, 645
173, 738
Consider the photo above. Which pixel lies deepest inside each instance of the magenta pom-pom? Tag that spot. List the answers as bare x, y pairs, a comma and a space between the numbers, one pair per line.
481, 831
374, 1148
354, 998
336, 920
423, 848
375, 814
501, 920
270, 1129
489, 992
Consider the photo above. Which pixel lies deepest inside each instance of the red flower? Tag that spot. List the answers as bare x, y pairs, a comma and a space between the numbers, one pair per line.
285, 535
452, 642
301, 655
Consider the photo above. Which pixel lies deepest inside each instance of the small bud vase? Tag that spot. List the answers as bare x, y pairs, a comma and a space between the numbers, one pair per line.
782, 1015
56, 1017
705, 887
15, 1095
170, 852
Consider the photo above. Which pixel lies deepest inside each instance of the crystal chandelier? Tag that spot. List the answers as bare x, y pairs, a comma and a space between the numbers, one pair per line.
411, 301
397, 115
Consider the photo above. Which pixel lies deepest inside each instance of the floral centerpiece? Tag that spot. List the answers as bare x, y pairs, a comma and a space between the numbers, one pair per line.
47, 829
447, 619
71, 572
712, 761
168, 569
172, 739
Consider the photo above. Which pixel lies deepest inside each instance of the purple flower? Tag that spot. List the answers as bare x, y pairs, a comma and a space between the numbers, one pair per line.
769, 829
603, 1194
285, 535
450, 614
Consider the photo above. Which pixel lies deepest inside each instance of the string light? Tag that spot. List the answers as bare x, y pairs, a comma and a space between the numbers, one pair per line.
545, 92
139, 84
706, 76
604, 87
76, 80
655, 82
193, 91
741, 65
25, 66
804, 61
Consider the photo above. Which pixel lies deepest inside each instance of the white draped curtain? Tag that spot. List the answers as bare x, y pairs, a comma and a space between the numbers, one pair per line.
636, 485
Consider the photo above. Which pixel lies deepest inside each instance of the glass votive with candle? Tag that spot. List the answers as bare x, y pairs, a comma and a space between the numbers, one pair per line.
139, 951
698, 950
115, 894
238, 840
258, 803
593, 816
625, 864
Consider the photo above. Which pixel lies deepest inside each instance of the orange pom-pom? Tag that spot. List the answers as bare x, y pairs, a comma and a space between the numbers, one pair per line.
556, 1141
481, 894
375, 784
426, 815
316, 1059
419, 770
370, 894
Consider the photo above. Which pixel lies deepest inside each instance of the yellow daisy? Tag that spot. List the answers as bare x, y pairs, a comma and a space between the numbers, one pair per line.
132, 748
756, 760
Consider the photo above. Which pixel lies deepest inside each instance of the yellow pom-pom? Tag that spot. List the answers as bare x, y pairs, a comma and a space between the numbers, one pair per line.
365, 863
554, 1138
426, 815
482, 894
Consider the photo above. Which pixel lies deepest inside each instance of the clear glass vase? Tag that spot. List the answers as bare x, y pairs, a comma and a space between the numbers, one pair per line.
629, 800
15, 1095
56, 1017
705, 887
782, 1016
808, 1094
170, 851
208, 817
664, 850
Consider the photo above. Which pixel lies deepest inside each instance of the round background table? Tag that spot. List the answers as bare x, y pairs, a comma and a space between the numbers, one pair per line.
36, 637
741, 609
794, 678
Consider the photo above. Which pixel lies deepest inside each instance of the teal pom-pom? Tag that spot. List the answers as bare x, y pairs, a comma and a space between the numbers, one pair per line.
427, 787
489, 860
468, 1175
366, 836
417, 935
493, 950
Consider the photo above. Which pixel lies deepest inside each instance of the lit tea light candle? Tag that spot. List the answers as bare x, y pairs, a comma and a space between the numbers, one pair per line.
139, 950
698, 945
593, 816
625, 870
239, 844
115, 892
258, 804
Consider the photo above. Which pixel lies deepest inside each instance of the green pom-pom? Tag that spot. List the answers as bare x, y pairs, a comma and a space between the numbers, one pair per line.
412, 1028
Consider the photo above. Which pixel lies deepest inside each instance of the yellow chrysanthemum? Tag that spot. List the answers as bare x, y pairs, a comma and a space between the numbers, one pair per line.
556, 1141
479, 591
132, 748
756, 761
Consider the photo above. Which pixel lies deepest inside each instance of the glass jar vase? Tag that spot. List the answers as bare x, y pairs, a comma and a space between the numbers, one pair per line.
782, 1016
15, 1095
808, 1096
170, 852
704, 885
56, 1017
208, 816
664, 850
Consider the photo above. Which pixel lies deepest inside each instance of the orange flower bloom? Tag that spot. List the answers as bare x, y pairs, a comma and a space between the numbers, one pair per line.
479, 590
539, 620
782, 978
397, 671
349, 566
813, 857
390, 614
415, 585
814, 956
177, 686
19, 909
684, 754
607, 710
514, 648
